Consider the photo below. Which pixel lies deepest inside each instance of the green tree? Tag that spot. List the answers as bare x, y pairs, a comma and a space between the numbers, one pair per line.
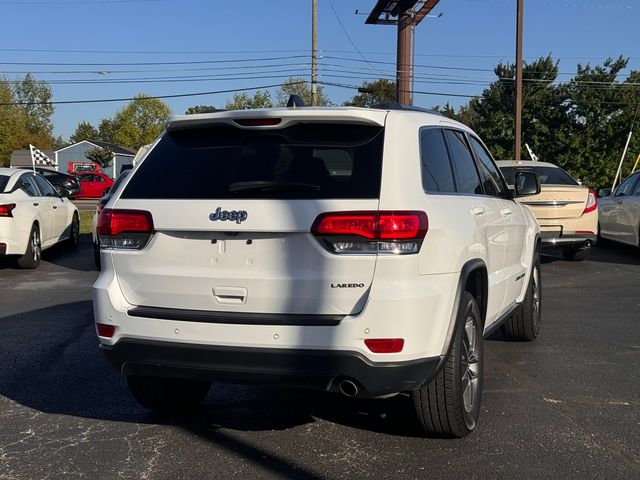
242, 101
101, 156
139, 122
373, 93
12, 123
106, 130
302, 88
602, 111
35, 97
200, 109
544, 112
84, 131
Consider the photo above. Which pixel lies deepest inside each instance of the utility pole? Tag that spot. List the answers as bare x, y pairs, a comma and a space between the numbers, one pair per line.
404, 57
314, 53
518, 136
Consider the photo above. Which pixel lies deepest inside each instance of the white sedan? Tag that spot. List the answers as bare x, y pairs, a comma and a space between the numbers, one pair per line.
33, 216
620, 213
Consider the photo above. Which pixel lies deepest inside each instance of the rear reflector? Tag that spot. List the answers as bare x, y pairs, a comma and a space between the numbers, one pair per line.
5, 210
372, 232
105, 330
592, 202
125, 229
257, 122
385, 345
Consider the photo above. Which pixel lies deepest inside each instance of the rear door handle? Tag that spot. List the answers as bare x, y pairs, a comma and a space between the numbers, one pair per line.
506, 211
478, 210
36, 204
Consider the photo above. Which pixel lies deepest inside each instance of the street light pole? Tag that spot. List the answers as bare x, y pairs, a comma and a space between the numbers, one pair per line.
314, 53
518, 135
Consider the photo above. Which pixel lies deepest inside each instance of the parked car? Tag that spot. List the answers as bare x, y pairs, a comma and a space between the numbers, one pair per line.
567, 211
94, 185
620, 213
248, 260
101, 203
58, 179
33, 217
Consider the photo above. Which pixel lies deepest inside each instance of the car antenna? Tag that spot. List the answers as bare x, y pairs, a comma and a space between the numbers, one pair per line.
295, 101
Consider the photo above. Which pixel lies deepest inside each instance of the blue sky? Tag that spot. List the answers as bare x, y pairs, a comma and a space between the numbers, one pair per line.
274, 39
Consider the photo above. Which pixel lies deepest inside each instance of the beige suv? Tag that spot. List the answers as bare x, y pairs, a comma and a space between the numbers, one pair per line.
566, 211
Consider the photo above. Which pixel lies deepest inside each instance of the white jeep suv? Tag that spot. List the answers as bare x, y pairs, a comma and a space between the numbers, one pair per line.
361, 251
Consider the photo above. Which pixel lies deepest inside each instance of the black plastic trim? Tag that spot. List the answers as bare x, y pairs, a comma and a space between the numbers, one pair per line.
234, 318
322, 369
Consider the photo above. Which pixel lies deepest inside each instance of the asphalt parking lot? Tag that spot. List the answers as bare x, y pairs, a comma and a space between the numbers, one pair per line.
565, 406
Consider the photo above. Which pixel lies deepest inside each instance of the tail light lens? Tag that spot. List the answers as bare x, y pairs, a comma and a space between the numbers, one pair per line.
387, 232
5, 210
105, 330
592, 202
125, 229
385, 345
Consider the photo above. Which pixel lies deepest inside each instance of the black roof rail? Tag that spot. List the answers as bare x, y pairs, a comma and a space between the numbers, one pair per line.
408, 108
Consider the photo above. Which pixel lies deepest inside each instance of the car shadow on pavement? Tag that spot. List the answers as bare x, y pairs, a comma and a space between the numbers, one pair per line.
52, 364
608, 252
75, 259
62, 255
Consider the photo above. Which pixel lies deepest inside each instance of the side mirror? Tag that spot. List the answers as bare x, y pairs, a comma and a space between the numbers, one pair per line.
604, 192
526, 184
62, 192
107, 191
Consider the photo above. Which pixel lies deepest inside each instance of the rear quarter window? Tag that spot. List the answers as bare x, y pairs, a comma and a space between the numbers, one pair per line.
300, 161
3, 182
547, 175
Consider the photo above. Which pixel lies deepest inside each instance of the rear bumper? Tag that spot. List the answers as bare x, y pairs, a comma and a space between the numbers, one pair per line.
321, 369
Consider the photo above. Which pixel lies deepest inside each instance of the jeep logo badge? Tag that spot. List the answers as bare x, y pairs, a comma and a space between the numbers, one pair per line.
237, 216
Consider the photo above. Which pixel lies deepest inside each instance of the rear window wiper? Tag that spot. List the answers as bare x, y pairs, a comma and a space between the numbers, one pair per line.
268, 186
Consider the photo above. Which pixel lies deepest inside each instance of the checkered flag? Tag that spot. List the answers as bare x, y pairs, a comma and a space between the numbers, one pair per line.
39, 158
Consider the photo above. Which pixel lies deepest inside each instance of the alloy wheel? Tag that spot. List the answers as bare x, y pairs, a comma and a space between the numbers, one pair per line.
470, 365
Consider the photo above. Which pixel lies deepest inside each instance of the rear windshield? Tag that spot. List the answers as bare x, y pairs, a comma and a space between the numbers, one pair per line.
547, 175
3, 182
300, 161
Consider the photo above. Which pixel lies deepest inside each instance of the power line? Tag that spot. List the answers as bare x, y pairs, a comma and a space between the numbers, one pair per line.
127, 99
187, 62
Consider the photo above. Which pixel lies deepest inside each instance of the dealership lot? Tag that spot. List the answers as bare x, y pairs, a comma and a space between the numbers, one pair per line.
566, 405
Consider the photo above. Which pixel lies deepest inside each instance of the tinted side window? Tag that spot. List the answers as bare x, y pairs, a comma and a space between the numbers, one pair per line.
626, 187
491, 178
464, 166
28, 184
636, 191
45, 187
436, 169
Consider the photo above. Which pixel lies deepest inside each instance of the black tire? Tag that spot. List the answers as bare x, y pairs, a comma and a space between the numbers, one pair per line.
168, 395
524, 324
74, 234
31, 258
575, 254
446, 407
96, 256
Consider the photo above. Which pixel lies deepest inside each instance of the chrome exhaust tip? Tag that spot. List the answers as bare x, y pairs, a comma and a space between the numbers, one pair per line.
348, 388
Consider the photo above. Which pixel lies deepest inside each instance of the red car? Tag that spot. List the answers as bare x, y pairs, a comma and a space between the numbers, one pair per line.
93, 185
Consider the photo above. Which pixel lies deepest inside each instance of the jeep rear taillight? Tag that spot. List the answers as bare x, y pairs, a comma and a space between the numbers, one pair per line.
368, 232
125, 229
592, 202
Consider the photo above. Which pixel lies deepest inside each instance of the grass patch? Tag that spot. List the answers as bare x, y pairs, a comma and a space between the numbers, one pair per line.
86, 223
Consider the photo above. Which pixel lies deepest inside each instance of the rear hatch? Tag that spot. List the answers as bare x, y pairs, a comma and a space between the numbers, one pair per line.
233, 201
557, 202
